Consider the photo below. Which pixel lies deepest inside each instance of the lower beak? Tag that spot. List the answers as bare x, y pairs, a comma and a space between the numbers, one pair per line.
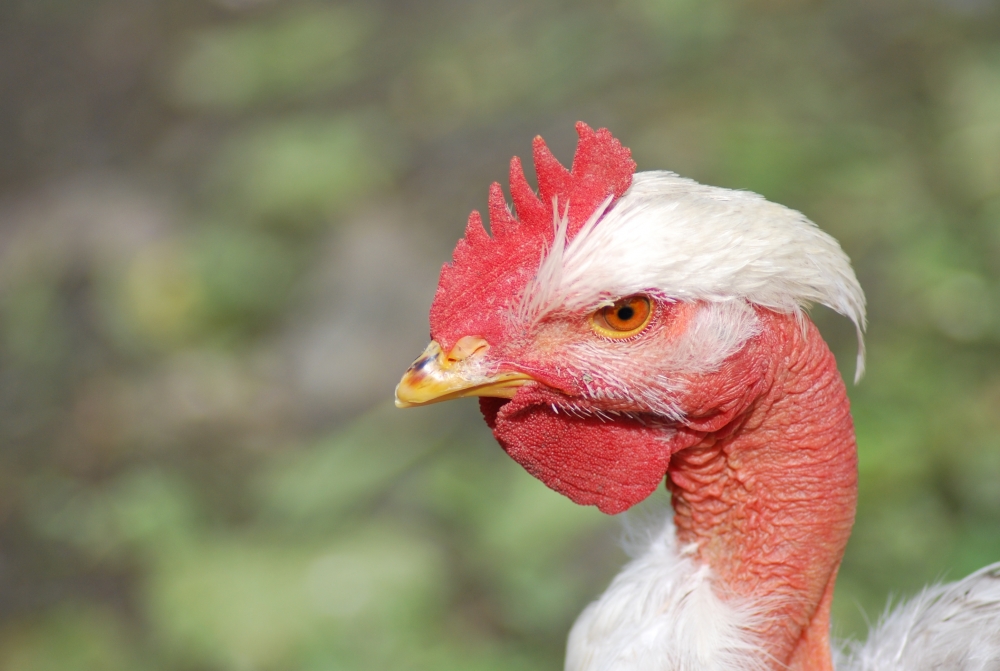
436, 376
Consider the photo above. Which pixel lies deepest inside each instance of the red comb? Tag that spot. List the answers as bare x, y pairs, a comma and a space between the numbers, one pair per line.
486, 274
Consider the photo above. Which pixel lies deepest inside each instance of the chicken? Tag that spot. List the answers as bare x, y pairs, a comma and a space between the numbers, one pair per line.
625, 328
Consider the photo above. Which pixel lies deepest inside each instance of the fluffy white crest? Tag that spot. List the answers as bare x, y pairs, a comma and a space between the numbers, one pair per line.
953, 627
661, 614
688, 241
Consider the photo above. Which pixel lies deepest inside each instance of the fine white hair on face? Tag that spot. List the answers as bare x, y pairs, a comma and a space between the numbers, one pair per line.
662, 613
688, 241
715, 332
954, 627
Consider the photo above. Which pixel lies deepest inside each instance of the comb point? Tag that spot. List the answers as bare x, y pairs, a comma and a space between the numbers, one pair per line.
528, 208
502, 222
475, 232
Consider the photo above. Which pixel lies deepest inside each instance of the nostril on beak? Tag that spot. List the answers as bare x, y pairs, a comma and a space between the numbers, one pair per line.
466, 347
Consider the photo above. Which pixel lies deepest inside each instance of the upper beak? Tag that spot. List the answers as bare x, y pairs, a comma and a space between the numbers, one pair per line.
436, 376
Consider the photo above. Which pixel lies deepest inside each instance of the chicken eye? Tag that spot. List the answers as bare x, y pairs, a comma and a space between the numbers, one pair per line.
626, 317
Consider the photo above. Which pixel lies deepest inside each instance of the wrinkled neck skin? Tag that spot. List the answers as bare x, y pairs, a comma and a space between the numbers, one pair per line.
768, 494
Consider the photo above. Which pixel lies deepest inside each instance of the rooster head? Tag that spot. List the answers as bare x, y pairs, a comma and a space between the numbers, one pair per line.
618, 317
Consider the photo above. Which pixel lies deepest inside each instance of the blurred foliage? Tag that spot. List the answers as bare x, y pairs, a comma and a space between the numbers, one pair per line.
295, 54
219, 228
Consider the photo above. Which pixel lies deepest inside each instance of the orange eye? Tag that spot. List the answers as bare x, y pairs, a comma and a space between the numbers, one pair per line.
627, 317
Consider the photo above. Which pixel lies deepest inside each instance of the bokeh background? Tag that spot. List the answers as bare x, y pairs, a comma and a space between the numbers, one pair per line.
220, 229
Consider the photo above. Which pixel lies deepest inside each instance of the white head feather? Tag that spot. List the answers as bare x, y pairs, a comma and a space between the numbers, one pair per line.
688, 241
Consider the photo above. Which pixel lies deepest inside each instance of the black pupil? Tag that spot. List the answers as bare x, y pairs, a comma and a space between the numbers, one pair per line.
625, 313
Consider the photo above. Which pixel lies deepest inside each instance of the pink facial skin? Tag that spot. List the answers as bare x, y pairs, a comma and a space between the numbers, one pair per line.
578, 433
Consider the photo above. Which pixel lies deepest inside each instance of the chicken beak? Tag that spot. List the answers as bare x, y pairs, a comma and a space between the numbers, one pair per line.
436, 376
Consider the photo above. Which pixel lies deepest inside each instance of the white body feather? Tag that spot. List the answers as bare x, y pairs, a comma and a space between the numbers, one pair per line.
661, 613
952, 627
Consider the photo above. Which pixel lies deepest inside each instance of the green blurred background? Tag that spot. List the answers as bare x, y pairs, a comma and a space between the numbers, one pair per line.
220, 230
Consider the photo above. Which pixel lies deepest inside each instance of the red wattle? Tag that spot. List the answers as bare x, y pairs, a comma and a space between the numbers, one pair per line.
612, 465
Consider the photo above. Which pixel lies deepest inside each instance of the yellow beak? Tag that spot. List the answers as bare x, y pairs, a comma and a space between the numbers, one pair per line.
436, 376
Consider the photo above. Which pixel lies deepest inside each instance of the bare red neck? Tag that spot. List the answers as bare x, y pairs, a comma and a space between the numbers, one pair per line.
770, 497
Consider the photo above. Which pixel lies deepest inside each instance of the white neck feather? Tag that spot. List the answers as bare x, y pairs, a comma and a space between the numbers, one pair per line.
661, 612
